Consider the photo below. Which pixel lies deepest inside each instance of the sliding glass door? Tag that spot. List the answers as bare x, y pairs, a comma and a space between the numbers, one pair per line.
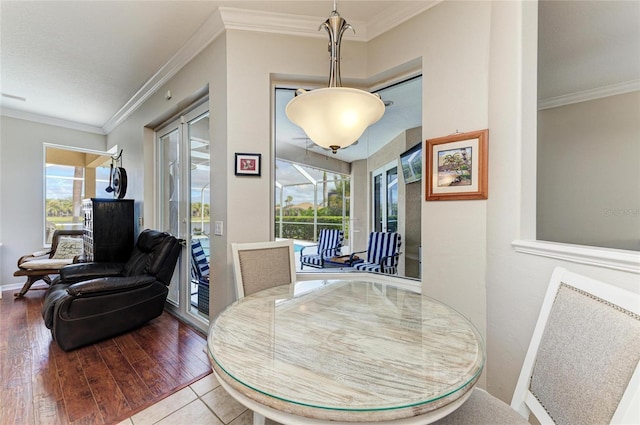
384, 184
184, 205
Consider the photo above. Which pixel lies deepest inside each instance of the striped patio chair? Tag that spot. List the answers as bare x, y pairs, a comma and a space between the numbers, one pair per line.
383, 251
200, 275
329, 245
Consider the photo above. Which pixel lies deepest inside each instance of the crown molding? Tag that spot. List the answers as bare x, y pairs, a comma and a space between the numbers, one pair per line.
229, 18
43, 119
280, 23
386, 21
593, 94
212, 27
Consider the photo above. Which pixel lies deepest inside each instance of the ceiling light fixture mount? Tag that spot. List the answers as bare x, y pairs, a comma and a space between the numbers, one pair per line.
334, 117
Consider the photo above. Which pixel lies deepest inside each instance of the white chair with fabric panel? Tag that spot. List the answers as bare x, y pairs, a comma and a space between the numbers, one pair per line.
262, 265
582, 366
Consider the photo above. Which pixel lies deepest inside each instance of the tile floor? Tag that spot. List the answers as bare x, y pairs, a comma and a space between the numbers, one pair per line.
203, 402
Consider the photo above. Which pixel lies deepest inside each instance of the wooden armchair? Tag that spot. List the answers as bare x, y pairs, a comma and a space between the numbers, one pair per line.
66, 247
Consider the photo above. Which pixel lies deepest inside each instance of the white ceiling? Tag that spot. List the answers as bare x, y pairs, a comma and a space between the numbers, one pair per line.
83, 61
89, 63
588, 45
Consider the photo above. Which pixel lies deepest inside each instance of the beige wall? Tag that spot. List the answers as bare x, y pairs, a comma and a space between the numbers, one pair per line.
478, 61
452, 39
588, 172
22, 185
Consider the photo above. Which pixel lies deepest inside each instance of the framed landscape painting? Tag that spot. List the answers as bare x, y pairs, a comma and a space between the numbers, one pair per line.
457, 166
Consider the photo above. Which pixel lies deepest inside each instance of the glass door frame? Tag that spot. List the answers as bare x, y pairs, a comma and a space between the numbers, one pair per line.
380, 195
182, 277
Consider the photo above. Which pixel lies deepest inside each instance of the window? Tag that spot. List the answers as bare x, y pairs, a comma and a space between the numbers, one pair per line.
308, 200
71, 176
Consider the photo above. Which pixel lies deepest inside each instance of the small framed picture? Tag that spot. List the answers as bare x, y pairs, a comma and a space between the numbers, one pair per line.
248, 164
457, 167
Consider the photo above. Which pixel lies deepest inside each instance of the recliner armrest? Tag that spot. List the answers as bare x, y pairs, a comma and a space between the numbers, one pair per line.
109, 285
85, 271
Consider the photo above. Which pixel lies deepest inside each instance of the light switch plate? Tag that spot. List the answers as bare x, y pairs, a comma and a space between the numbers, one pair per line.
217, 228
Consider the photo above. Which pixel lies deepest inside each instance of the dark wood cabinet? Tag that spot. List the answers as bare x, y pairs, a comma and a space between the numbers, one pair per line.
108, 229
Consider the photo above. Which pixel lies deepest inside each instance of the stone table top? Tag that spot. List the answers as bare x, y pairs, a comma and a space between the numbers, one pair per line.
346, 350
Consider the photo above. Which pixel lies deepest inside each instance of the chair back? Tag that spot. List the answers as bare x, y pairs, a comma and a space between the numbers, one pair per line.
382, 244
263, 265
155, 253
330, 240
199, 264
582, 366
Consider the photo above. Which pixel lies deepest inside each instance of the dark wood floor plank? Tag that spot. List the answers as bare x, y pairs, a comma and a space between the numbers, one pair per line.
15, 406
42, 385
179, 353
48, 405
150, 371
106, 392
76, 393
134, 389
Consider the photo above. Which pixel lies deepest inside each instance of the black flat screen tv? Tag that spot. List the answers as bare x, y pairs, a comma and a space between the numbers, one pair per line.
411, 163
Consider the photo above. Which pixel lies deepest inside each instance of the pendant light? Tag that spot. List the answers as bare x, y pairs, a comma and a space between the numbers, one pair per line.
334, 117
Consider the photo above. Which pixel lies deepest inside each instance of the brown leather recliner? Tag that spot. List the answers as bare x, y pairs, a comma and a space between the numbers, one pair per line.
89, 302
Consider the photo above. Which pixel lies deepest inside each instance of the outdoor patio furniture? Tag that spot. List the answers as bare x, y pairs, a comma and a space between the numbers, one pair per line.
66, 247
200, 275
328, 246
383, 252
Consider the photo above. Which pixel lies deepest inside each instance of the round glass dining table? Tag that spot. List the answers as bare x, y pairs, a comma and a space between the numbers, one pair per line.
345, 351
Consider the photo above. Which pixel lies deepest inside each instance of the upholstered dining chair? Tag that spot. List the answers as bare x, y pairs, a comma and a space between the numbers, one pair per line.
262, 265
582, 363
329, 245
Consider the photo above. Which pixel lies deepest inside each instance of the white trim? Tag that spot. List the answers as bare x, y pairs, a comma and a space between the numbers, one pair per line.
226, 18
43, 119
208, 31
388, 20
280, 23
616, 259
592, 94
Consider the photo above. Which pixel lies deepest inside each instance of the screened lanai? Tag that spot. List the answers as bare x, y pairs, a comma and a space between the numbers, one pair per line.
309, 199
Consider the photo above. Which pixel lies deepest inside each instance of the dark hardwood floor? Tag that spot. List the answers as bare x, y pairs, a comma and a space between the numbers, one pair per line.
99, 384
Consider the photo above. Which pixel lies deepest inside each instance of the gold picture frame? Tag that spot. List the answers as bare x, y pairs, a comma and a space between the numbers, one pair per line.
457, 167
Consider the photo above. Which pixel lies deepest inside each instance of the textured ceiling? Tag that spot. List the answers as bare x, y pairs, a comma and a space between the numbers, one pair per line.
81, 61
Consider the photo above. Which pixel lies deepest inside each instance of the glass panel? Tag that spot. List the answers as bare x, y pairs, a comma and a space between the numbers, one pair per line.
200, 207
442, 352
170, 199
392, 200
71, 175
308, 200
377, 203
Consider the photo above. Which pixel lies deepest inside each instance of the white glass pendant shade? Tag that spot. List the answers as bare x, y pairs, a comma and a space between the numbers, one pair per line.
335, 117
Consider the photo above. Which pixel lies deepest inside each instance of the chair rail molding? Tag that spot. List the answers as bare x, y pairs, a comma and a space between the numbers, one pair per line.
616, 259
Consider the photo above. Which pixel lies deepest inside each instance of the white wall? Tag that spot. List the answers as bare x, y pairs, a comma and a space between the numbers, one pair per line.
516, 282
452, 39
22, 185
478, 61
588, 176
